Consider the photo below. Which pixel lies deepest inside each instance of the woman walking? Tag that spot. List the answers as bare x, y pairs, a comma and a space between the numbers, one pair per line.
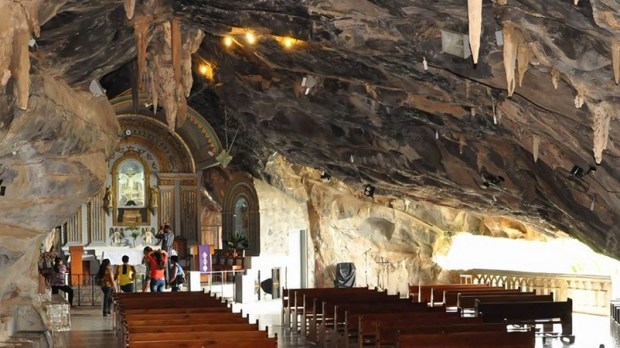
105, 279
58, 280
125, 275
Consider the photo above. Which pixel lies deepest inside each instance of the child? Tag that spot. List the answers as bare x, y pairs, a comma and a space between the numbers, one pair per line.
177, 274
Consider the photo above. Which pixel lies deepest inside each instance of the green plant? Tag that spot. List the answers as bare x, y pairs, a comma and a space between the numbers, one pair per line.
237, 241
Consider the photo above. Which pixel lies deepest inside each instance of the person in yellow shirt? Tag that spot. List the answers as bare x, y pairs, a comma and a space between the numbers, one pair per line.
125, 275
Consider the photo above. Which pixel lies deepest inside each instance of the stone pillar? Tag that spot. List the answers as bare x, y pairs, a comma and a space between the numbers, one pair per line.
74, 229
96, 220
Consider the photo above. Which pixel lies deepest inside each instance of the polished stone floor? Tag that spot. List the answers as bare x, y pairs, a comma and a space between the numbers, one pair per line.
91, 330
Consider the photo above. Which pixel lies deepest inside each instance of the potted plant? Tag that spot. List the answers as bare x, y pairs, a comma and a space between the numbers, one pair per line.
237, 242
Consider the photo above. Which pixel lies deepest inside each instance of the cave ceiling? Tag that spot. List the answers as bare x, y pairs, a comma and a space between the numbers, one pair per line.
389, 106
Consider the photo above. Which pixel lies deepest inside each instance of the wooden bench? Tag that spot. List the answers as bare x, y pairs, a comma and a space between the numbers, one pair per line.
530, 313
382, 328
468, 301
426, 293
208, 343
184, 320
387, 332
342, 331
450, 297
293, 303
468, 339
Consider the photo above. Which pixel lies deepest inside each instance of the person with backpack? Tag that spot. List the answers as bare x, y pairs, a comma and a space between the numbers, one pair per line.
125, 275
178, 276
58, 281
105, 279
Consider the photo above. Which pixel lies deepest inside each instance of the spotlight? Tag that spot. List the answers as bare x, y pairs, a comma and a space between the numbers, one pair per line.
369, 190
579, 172
250, 38
288, 42
325, 176
206, 69
227, 41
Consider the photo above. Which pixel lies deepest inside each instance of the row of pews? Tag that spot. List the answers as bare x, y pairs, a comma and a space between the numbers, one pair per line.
182, 319
435, 316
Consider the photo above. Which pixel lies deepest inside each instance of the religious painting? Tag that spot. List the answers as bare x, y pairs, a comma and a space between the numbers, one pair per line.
131, 188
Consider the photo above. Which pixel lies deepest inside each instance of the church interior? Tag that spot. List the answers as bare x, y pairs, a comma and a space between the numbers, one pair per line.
384, 145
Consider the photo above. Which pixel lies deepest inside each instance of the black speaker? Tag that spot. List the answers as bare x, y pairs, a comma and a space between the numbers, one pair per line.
345, 275
267, 286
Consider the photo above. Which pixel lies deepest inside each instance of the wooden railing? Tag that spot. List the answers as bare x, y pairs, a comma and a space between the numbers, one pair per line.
590, 293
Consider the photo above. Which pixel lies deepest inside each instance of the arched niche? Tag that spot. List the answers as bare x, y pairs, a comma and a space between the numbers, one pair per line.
241, 214
131, 188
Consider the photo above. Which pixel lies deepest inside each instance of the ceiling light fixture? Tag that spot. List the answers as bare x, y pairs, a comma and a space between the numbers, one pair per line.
206, 69
227, 41
369, 190
250, 38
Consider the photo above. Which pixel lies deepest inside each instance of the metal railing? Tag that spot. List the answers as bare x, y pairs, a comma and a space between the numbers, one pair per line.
590, 293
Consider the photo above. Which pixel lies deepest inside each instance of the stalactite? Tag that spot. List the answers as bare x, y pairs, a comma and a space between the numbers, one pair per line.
474, 10
175, 44
141, 33
523, 60
555, 77
601, 119
535, 144
511, 43
615, 58
130, 7
20, 60
32, 14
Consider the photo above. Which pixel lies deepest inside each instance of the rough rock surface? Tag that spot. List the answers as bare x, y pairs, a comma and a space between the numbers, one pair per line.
375, 114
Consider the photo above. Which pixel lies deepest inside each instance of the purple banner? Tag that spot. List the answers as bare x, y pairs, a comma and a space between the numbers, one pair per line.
204, 255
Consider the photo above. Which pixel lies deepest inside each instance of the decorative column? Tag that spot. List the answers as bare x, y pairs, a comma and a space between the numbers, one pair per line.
74, 229
96, 220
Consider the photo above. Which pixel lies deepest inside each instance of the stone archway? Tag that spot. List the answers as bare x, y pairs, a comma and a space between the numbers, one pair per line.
241, 207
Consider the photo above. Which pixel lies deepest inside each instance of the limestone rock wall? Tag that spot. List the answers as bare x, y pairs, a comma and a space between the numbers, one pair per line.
52, 159
391, 241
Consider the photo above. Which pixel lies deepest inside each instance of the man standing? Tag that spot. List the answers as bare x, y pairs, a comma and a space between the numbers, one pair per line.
167, 238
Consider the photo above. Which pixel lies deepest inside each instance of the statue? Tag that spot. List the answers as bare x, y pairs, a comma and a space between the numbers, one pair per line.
154, 199
107, 200
117, 237
148, 234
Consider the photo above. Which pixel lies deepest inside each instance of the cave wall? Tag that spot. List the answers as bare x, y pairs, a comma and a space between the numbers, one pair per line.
52, 159
391, 241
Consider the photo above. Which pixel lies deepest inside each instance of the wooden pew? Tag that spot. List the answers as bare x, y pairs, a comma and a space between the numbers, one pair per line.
530, 313
209, 343
323, 310
468, 301
193, 328
425, 293
450, 297
296, 306
173, 336
468, 339
387, 332
382, 328
351, 314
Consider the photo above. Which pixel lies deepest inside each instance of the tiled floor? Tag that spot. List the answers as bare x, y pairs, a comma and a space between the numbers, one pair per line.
91, 330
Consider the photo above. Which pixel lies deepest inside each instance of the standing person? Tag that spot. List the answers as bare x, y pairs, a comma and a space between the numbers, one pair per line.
178, 276
147, 274
125, 275
167, 239
105, 278
157, 263
58, 279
